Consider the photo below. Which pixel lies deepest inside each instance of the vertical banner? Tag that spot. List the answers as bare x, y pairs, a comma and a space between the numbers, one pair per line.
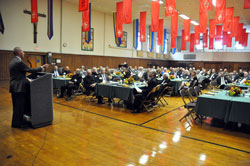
50, 31
127, 11
234, 26
205, 39
220, 11
160, 32
151, 40
229, 40
245, 40
135, 33
83, 5
192, 42
173, 42
203, 22
183, 42
34, 11
225, 38
228, 19
197, 36
174, 25
219, 33
239, 31
170, 7
1, 24
155, 16
88, 33
163, 47
212, 26
85, 21
187, 29
247, 4
143, 17
211, 43
119, 19
206, 5
118, 41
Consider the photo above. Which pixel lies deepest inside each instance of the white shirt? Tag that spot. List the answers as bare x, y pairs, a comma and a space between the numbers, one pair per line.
222, 81
103, 78
56, 74
19, 58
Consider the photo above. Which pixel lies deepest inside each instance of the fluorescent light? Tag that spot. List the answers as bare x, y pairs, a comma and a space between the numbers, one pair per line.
214, 3
161, 2
194, 22
184, 16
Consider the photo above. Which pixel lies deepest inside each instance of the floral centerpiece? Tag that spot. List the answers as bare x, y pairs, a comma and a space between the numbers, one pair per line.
246, 82
118, 73
171, 77
129, 80
235, 91
69, 75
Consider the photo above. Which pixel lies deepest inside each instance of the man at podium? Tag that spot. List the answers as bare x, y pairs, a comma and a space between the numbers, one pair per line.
18, 86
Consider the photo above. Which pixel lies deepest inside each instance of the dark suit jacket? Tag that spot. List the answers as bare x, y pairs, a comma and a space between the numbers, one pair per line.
76, 79
145, 76
213, 76
100, 79
236, 77
218, 80
18, 71
88, 80
151, 84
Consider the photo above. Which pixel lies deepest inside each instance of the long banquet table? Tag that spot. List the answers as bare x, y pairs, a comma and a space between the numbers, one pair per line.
58, 82
225, 107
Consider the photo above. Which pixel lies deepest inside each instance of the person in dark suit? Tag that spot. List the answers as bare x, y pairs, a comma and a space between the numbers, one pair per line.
146, 75
222, 80
103, 77
213, 75
73, 84
89, 82
142, 94
66, 71
95, 74
234, 76
126, 73
18, 86
56, 72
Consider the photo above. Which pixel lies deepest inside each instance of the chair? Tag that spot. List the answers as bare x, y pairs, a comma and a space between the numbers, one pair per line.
192, 94
148, 103
197, 90
161, 95
190, 106
157, 94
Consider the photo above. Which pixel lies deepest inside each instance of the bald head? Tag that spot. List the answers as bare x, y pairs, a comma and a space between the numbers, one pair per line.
18, 52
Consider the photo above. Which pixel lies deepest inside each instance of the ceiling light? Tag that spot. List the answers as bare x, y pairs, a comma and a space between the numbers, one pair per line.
160, 1
184, 16
214, 2
194, 22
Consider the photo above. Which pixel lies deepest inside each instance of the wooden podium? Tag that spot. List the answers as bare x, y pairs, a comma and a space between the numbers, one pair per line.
40, 102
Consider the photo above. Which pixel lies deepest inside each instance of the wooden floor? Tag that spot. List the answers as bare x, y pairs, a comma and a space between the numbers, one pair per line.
87, 134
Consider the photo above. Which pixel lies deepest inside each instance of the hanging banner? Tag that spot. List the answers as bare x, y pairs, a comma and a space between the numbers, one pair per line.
211, 43
163, 47
187, 29
247, 4
119, 19
88, 33
183, 42
173, 42
85, 21
203, 22
50, 32
228, 19
219, 33
205, 39
212, 26
174, 25
135, 33
229, 41
197, 36
34, 11
206, 5
160, 32
155, 16
170, 7
234, 26
83, 5
173, 50
239, 31
192, 42
1, 24
143, 17
118, 41
127, 11
225, 38
220, 11
151, 40
245, 40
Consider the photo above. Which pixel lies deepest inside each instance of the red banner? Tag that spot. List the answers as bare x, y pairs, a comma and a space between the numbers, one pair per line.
203, 22
239, 32
212, 25
192, 42
143, 17
241, 36
183, 42
174, 24
220, 11
247, 4
170, 7
219, 33
160, 33
85, 20
234, 26
155, 16
127, 11
173, 42
245, 40
229, 41
206, 5
229, 19
211, 43
119, 19
187, 29
225, 38
205, 39
197, 34
83, 5
34, 11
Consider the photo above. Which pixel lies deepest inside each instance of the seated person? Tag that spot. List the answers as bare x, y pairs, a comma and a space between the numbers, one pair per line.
126, 73
145, 76
222, 80
241, 73
190, 83
95, 74
103, 77
143, 93
66, 71
56, 72
234, 76
73, 84
83, 73
246, 77
186, 75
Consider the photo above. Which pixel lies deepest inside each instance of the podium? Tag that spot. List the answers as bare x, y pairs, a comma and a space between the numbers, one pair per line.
40, 102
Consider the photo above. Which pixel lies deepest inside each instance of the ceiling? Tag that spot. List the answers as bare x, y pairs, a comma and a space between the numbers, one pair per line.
188, 7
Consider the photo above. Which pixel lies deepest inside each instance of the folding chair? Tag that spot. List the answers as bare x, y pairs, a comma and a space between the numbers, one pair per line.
148, 103
197, 90
189, 106
162, 93
192, 94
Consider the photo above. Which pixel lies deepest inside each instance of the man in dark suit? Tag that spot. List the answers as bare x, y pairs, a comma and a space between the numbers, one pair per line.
56, 72
142, 94
235, 76
73, 84
222, 80
66, 71
18, 86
